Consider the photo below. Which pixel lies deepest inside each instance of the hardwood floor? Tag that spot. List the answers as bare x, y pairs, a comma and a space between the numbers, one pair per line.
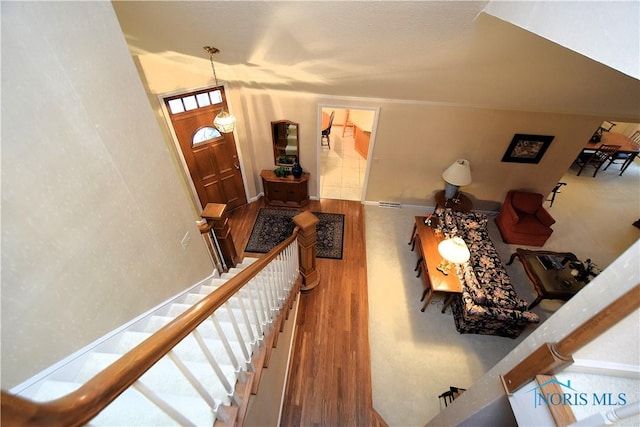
330, 378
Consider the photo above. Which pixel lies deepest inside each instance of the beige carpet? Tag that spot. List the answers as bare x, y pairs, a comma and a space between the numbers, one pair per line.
416, 356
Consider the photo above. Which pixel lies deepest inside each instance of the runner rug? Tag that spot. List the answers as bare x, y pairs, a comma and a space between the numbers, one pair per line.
273, 226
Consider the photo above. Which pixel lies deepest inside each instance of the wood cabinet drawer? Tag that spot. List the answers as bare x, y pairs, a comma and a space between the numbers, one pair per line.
285, 191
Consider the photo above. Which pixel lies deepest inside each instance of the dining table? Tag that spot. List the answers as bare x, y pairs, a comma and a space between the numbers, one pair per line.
627, 146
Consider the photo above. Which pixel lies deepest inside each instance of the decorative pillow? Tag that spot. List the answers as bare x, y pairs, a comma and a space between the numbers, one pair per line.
526, 202
450, 224
468, 278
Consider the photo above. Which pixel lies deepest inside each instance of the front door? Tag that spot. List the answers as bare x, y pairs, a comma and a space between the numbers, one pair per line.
211, 156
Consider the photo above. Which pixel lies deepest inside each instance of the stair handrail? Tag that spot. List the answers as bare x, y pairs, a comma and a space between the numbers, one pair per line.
80, 406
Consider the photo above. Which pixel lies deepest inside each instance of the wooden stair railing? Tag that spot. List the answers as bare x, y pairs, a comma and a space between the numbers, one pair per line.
551, 358
79, 407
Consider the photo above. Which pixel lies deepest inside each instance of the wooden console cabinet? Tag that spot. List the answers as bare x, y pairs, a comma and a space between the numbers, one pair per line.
287, 191
361, 141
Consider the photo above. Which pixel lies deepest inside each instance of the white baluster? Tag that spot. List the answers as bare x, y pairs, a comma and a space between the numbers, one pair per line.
245, 317
266, 288
290, 268
162, 405
272, 289
214, 365
227, 347
282, 277
256, 284
254, 312
241, 340
192, 379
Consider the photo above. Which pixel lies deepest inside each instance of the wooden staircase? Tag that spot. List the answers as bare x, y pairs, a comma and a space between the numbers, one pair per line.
196, 360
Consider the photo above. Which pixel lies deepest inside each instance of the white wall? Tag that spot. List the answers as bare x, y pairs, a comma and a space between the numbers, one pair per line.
624, 128
416, 141
93, 209
612, 36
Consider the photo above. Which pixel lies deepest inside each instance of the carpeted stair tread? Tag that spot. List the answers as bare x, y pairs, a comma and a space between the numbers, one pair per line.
216, 282
221, 314
206, 290
209, 334
131, 405
164, 376
188, 349
246, 261
206, 329
50, 390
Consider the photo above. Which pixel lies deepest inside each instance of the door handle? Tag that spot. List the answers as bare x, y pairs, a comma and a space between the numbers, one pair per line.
237, 166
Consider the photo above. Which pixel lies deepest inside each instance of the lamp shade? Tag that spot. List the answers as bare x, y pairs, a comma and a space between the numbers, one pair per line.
224, 122
459, 173
454, 250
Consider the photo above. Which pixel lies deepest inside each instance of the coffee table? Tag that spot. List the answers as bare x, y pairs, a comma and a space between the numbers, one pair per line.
433, 280
549, 282
464, 205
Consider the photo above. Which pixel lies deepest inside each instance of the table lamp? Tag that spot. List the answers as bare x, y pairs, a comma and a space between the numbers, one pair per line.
459, 173
453, 251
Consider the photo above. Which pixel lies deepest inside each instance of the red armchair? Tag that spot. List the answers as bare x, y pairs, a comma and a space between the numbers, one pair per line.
522, 219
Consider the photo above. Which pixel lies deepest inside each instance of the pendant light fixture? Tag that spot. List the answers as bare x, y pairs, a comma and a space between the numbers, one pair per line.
224, 121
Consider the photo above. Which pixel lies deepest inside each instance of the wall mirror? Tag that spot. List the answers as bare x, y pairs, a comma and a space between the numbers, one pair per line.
285, 142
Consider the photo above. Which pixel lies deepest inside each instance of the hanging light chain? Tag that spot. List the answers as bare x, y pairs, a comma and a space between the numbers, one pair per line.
224, 121
212, 50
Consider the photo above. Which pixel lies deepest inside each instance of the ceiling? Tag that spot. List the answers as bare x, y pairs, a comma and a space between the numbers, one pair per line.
426, 51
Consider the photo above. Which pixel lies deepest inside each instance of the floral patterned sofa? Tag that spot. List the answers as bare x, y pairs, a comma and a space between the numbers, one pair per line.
488, 305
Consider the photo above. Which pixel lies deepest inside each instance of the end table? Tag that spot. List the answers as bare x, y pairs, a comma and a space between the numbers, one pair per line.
464, 205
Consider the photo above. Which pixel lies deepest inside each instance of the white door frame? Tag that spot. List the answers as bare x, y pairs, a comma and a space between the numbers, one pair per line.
372, 141
178, 151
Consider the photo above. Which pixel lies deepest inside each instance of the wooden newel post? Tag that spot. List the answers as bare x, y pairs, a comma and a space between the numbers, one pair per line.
307, 249
216, 216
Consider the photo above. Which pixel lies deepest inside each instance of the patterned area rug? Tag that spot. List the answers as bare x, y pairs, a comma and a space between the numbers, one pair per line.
275, 225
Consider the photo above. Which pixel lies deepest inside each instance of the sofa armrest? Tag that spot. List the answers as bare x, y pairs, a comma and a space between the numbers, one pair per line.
544, 217
500, 314
506, 314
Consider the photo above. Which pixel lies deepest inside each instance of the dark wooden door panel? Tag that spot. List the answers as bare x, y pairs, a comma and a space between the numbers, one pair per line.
226, 158
213, 193
205, 167
213, 163
229, 186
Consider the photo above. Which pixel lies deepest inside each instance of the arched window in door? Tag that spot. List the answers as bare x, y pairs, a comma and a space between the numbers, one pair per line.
205, 134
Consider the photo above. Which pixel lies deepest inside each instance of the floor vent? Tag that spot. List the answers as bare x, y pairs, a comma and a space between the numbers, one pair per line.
394, 205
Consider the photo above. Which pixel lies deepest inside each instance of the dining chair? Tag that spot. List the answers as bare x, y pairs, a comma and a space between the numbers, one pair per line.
625, 158
596, 158
419, 254
348, 124
326, 132
622, 158
450, 395
556, 190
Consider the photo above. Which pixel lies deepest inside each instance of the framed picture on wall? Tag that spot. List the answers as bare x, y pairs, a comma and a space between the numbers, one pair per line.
527, 148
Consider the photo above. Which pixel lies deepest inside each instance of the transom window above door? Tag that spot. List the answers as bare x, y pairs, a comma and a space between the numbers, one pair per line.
194, 101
